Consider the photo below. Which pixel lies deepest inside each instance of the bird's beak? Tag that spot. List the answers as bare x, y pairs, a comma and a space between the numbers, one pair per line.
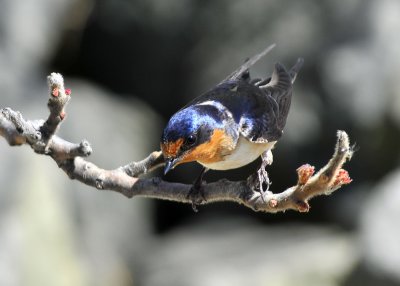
170, 164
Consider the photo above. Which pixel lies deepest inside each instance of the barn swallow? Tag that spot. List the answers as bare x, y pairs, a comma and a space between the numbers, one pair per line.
232, 124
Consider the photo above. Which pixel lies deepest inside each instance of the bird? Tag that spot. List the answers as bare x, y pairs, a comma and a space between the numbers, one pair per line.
232, 124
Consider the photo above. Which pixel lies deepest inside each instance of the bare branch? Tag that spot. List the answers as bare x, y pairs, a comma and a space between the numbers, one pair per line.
41, 136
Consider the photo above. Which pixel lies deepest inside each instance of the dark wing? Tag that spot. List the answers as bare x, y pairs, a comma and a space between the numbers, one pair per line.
280, 89
266, 123
258, 107
258, 121
240, 74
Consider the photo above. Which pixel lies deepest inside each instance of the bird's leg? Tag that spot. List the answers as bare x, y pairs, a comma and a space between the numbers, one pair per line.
196, 193
263, 178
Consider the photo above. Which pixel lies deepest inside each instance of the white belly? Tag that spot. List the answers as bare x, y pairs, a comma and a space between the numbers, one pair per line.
244, 153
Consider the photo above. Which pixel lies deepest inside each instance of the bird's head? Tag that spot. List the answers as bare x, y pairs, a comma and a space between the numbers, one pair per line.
194, 133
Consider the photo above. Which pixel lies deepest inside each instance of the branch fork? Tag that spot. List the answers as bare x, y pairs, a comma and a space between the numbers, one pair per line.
70, 157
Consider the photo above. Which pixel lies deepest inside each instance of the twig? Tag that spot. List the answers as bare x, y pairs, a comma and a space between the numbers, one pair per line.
40, 135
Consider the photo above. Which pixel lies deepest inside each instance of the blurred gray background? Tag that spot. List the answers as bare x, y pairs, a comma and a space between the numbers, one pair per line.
131, 65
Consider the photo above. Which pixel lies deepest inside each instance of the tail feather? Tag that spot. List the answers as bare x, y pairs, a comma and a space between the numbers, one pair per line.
295, 69
280, 79
280, 88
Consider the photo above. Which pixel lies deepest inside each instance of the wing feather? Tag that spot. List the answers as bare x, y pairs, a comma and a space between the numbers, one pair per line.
267, 124
259, 108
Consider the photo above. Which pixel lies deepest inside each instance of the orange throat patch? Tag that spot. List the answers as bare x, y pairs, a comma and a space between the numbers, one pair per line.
211, 151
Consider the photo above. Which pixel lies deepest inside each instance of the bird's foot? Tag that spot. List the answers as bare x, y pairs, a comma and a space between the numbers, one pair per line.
263, 180
196, 195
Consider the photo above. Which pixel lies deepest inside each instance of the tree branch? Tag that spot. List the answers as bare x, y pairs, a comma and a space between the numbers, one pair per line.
41, 136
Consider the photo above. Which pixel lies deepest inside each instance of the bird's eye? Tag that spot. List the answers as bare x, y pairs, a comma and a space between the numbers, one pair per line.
190, 140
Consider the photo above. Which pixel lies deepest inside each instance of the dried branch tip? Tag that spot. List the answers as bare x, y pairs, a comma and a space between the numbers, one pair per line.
56, 84
343, 145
